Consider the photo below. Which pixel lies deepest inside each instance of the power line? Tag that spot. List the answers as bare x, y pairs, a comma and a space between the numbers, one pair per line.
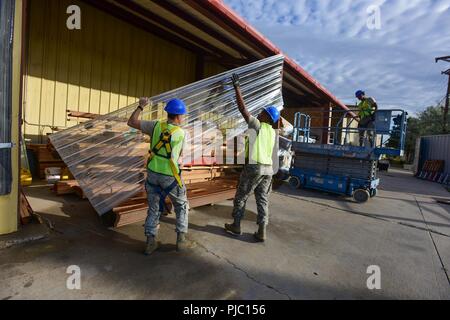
447, 95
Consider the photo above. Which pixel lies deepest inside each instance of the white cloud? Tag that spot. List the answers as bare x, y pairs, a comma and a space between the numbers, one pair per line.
330, 39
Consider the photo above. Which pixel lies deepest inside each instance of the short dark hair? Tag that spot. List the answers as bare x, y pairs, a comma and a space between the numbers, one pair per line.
269, 118
171, 116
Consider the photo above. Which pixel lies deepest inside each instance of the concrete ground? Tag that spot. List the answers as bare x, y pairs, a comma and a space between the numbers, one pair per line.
319, 247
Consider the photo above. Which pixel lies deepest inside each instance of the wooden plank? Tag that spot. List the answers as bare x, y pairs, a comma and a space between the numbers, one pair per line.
199, 194
129, 208
130, 218
25, 210
83, 115
208, 199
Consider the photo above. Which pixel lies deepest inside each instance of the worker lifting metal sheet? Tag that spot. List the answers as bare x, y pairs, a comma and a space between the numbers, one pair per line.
108, 158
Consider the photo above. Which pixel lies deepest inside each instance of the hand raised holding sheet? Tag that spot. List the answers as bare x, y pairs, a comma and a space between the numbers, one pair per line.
143, 102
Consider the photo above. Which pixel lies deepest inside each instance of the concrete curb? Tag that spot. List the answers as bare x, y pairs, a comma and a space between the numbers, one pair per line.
28, 233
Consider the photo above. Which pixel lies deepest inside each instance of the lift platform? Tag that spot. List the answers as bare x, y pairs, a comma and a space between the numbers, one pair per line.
330, 158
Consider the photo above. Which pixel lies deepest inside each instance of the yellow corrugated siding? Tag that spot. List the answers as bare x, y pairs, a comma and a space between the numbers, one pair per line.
104, 66
212, 68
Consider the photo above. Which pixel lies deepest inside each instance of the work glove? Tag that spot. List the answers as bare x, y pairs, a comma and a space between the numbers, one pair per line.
235, 80
143, 102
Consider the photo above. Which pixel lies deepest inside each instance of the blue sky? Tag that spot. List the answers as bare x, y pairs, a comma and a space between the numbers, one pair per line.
331, 40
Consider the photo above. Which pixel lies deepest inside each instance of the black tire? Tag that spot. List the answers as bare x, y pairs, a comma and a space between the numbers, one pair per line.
295, 182
361, 195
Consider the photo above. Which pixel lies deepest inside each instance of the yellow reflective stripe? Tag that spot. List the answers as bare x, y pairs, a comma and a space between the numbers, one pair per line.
176, 175
159, 145
174, 129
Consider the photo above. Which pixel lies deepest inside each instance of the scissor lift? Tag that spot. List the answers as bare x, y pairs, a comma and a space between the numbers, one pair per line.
340, 167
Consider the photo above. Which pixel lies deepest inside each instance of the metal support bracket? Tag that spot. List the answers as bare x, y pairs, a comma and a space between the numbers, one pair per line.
9, 145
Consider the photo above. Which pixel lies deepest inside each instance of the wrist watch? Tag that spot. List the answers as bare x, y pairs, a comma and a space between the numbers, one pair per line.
139, 107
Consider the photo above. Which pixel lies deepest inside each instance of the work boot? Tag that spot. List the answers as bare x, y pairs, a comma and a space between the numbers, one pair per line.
151, 245
183, 243
260, 235
233, 228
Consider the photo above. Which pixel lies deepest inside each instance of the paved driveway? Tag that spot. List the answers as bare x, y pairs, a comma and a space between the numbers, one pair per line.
319, 247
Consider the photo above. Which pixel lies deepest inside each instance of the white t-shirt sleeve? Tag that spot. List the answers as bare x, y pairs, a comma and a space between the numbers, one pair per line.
254, 123
372, 100
148, 126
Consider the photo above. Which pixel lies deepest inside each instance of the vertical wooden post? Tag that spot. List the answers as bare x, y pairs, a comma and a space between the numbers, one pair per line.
326, 122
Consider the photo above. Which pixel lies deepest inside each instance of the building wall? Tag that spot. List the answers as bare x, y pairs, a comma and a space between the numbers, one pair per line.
211, 69
104, 66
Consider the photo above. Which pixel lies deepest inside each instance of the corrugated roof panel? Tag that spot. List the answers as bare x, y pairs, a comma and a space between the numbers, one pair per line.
107, 157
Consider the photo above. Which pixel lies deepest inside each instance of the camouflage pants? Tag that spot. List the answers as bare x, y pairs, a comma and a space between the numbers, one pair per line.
262, 185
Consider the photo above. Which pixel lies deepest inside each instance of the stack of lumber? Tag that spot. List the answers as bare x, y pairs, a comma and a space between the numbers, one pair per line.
68, 187
205, 185
46, 158
197, 174
198, 194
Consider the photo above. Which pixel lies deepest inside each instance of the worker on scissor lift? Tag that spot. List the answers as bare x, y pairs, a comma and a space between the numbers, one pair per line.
366, 117
258, 171
163, 172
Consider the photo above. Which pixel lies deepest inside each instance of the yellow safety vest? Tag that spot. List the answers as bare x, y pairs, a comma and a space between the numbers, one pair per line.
165, 150
263, 146
366, 109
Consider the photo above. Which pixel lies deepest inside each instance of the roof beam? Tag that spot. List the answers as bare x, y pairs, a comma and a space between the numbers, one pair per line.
172, 27
203, 26
446, 58
233, 62
144, 24
305, 82
290, 94
198, 6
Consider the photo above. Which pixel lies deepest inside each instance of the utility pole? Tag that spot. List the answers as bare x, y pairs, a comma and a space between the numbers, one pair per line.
447, 97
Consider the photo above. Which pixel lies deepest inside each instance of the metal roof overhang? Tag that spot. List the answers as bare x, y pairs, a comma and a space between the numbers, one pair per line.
212, 30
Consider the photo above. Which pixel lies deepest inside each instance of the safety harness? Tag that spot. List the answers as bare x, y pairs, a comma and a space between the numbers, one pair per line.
165, 139
163, 194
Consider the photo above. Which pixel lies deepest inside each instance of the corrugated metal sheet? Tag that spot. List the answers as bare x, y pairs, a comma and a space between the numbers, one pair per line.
104, 66
6, 28
435, 148
107, 157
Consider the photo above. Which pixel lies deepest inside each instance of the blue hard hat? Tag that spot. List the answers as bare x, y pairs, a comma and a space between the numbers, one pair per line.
359, 93
273, 113
175, 106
